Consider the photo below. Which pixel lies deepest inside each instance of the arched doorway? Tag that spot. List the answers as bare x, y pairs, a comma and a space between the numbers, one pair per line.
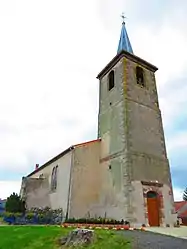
153, 208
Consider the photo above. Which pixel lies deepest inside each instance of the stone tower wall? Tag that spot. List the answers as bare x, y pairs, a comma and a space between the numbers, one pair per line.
147, 155
133, 145
145, 130
114, 159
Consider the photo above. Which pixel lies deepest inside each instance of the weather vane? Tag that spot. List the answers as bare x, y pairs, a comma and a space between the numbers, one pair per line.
123, 17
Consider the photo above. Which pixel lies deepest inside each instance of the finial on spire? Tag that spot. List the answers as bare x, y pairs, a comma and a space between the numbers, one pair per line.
123, 17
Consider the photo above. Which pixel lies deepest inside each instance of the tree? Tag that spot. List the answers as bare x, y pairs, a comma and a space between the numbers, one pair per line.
185, 195
14, 204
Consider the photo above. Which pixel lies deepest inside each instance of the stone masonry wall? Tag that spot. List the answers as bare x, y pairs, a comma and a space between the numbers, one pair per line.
146, 143
115, 195
36, 192
133, 145
39, 190
85, 180
144, 114
146, 136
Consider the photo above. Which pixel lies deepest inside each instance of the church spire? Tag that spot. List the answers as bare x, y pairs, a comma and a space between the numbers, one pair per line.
124, 42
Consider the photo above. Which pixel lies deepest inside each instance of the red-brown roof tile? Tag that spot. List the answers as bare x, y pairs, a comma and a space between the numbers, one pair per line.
88, 142
179, 204
183, 214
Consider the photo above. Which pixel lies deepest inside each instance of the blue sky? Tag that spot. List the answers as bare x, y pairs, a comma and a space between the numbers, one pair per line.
50, 54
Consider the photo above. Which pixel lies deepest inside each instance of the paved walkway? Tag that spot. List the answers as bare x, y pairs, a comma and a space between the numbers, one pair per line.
152, 240
180, 232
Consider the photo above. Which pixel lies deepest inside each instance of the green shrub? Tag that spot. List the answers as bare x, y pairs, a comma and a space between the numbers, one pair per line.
41, 216
9, 215
18, 215
29, 216
98, 220
14, 204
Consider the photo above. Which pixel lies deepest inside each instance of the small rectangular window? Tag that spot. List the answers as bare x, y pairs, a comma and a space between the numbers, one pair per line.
111, 80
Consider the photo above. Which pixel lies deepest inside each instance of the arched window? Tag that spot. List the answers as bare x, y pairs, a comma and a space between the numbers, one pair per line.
111, 80
140, 76
52, 179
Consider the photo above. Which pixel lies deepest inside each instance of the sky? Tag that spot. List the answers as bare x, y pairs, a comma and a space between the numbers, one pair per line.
50, 55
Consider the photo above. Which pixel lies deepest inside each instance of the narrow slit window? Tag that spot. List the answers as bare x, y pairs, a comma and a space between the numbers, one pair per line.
55, 177
140, 76
52, 179
111, 80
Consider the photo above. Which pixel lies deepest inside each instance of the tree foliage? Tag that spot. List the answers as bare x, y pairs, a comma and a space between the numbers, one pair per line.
185, 195
14, 204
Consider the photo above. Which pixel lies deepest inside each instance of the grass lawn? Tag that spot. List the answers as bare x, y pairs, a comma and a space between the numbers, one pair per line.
46, 237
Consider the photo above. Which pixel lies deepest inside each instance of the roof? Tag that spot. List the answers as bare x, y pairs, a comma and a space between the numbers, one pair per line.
179, 204
61, 155
87, 143
124, 42
181, 208
127, 55
183, 214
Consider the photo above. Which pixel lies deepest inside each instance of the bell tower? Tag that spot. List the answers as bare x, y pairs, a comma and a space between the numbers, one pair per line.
136, 174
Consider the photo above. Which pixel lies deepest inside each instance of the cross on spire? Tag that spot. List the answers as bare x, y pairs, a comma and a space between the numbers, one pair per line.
123, 17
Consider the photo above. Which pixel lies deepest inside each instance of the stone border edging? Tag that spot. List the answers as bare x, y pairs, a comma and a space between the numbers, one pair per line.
99, 226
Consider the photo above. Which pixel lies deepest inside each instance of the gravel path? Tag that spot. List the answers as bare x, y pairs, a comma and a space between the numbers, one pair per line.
149, 240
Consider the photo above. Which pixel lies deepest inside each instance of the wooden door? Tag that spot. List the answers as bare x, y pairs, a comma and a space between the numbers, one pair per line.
153, 208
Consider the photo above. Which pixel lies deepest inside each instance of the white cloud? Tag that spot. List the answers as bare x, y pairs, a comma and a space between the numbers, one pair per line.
8, 8
48, 98
173, 103
51, 53
8, 187
165, 48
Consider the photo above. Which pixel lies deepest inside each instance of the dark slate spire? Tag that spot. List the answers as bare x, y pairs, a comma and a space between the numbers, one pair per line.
124, 42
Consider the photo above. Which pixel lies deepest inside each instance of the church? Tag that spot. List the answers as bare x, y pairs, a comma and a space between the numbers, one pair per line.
125, 172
